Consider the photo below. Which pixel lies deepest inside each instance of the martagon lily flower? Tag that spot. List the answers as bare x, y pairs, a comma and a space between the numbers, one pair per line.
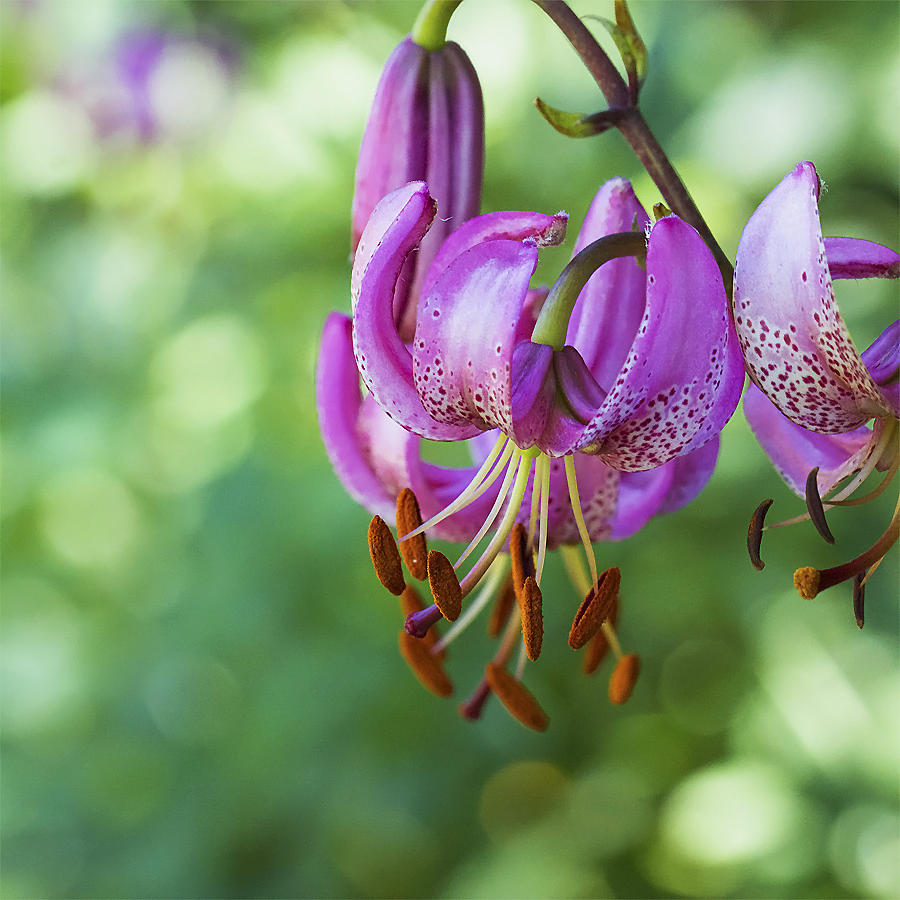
614, 389
813, 393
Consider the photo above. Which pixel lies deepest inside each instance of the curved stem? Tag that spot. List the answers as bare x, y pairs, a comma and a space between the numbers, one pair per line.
635, 129
430, 28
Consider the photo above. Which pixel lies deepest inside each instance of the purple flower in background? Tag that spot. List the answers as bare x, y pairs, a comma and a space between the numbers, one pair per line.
426, 124
814, 393
646, 372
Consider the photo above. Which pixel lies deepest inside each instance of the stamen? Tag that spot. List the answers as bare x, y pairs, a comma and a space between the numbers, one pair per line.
595, 608
385, 556
575, 569
474, 705
426, 666
494, 576
414, 549
514, 504
517, 699
520, 555
814, 505
624, 678
481, 481
418, 622
502, 608
532, 618
444, 585
859, 599
871, 462
755, 533
599, 644
579, 516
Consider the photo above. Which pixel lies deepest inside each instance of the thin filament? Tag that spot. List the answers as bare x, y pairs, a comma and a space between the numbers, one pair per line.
574, 563
492, 583
476, 487
579, 517
543, 474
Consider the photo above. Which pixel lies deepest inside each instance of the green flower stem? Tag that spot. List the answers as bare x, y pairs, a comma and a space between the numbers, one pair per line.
634, 129
553, 321
430, 29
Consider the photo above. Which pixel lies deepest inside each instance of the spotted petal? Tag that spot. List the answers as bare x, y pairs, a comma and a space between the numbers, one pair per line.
683, 376
385, 365
797, 347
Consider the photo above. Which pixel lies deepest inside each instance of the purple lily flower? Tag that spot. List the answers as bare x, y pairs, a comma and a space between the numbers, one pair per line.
814, 393
615, 414
426, 124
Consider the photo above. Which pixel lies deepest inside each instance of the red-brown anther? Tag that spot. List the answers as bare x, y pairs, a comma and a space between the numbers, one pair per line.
385, 556
410, 602
624, 678
474, 705
425, 665
414, 550
444, 585
517, 699
532, 618
755, 533
598, 646
596, 608
502, 607
814, 505
520, 556
859, 599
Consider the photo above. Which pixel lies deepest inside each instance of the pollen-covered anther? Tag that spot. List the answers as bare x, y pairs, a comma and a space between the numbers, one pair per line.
425, 665
598, 646
624, 678
444, 585
517, 699
532, 618
386, 556
503, 606
806, 580
814, 506
596, 608
520, 556
755, 533
414, 549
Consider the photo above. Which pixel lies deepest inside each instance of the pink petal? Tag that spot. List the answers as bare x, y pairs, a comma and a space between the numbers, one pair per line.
683, 376
794, 450
384, 362
795, 343
608, 311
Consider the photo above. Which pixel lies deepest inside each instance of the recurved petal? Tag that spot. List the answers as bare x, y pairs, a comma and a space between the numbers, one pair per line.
794, 450
882, 359
384, 362
856, 258
791, 332
534, 228
339, 401
608, 311
683, 376
465, 336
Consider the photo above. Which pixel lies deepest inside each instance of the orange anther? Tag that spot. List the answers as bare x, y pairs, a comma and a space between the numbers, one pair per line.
596, 608
624, 678
517, 699
502, 607
532, 618
385, 556
522, 562
414, 550
444, 585
598, 646
426, 667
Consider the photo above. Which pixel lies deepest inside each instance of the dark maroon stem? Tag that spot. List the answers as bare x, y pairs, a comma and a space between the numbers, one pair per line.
635, 129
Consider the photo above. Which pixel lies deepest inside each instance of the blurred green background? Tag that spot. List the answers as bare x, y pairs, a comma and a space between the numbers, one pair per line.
202, 694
